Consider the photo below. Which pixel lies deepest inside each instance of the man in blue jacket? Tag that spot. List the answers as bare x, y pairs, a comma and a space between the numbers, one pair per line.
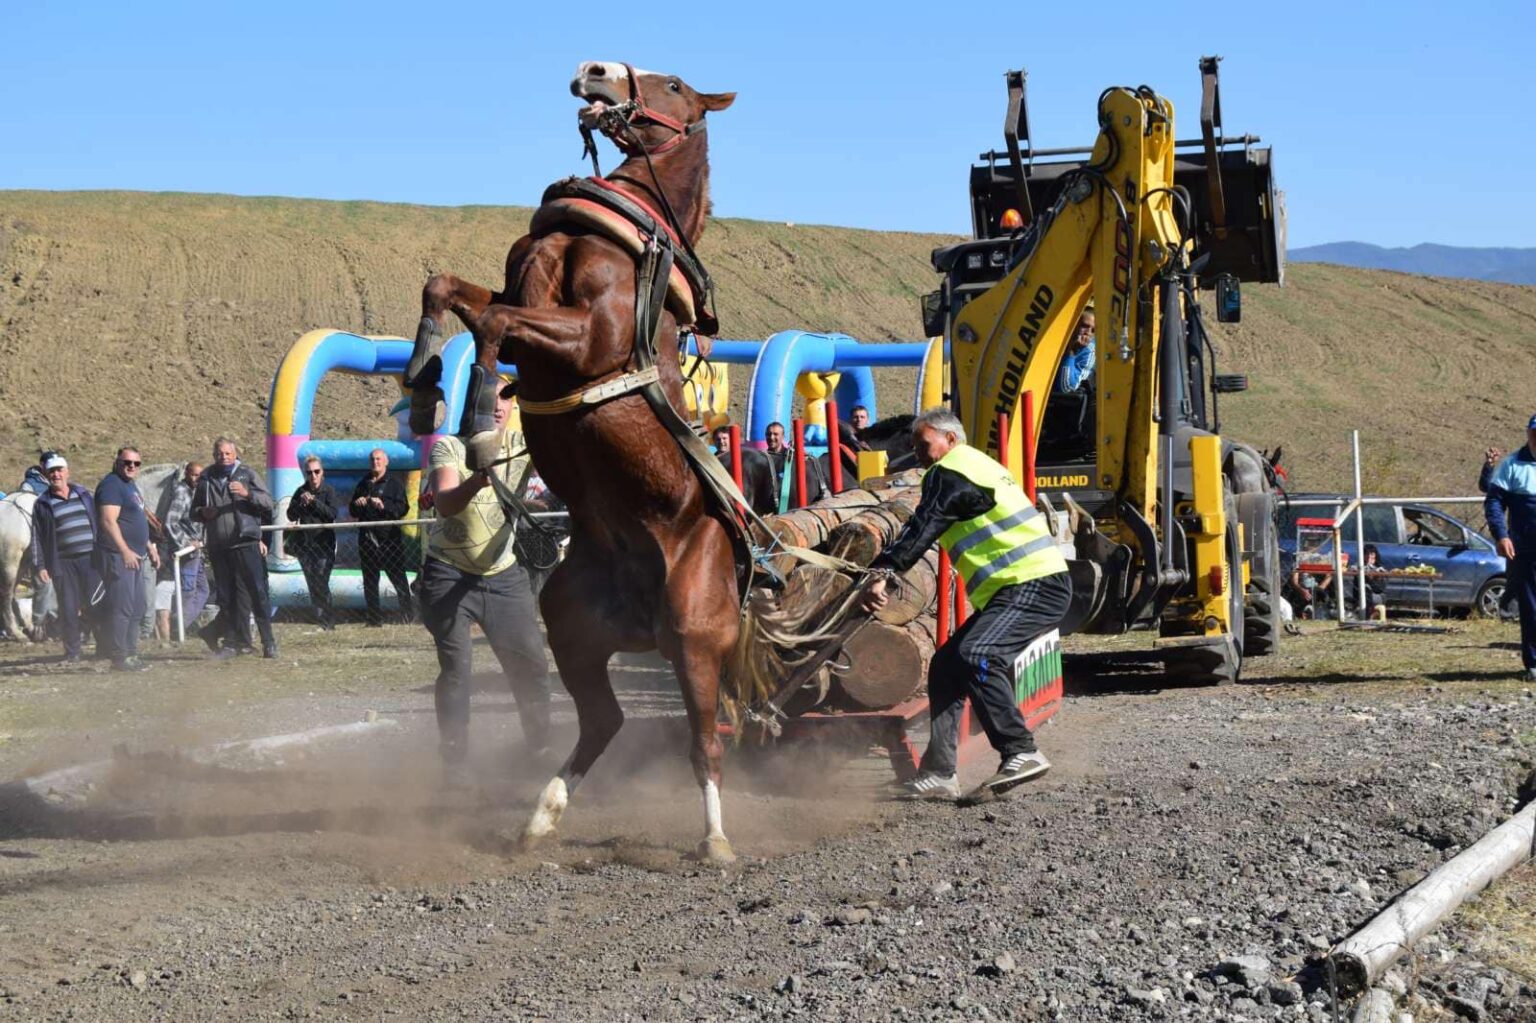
63, 536
1510, 508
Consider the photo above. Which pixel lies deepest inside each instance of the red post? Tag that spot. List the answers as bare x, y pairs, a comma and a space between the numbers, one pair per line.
1029, 445
962, 609
1002, 443
736, 455
800, 501
834, 448
946, 598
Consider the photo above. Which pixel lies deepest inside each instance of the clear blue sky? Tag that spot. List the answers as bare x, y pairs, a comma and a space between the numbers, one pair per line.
1392, 123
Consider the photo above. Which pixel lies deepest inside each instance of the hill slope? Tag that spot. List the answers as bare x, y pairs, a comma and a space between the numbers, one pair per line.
160, 318
1512, 266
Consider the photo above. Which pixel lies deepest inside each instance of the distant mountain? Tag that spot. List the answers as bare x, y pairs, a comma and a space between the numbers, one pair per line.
1512, 266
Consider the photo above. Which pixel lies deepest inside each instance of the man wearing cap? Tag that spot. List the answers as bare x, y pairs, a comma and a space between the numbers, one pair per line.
1016, 581
471, 575
122, 545
63, 536
379, 497
1510, 509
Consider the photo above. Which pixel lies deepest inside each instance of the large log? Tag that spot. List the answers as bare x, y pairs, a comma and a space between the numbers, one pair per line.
886, 664
913, 593
1362, 957
808, 526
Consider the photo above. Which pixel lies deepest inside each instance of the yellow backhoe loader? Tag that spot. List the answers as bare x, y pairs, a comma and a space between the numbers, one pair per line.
1173, 526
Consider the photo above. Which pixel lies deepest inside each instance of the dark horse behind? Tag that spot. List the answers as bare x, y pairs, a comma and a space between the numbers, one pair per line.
653, 560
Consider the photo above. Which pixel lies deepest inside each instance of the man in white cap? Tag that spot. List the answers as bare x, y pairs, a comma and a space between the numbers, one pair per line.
63, 534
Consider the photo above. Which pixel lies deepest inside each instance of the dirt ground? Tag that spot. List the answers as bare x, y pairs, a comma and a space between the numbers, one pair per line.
1180, 828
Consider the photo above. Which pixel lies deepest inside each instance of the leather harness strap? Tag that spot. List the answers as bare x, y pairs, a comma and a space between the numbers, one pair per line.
603, 193
594, 395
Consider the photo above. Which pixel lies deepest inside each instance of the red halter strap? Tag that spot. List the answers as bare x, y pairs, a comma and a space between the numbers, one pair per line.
656, 117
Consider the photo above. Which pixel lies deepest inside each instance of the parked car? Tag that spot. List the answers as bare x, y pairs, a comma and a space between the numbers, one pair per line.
1408, 535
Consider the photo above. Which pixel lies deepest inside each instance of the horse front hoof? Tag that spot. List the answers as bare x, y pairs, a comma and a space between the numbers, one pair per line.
531, 840
482, 449
424, 410
716, 851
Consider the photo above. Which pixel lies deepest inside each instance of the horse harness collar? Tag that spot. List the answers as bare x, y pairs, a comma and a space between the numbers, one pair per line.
656, 261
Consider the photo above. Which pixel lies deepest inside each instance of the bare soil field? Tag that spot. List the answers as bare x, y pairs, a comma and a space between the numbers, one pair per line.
159, 319
1190, 856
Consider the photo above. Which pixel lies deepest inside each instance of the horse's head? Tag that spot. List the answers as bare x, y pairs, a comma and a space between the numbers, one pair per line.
636, 108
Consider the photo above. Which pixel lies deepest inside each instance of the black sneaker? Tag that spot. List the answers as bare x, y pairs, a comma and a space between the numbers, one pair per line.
269, 652
1017, 768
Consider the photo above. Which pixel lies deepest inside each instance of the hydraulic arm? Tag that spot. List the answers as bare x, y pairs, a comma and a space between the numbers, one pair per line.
1164, 544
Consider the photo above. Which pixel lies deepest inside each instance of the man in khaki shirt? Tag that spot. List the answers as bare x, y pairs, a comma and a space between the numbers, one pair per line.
471, 575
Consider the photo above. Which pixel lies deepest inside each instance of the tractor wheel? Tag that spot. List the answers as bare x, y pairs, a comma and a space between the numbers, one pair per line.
1261, 622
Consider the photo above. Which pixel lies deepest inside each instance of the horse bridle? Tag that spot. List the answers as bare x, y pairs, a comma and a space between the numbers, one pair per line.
622, 118
625, 115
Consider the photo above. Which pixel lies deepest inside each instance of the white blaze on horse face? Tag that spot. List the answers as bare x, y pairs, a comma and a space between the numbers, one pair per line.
551, 806
601, 80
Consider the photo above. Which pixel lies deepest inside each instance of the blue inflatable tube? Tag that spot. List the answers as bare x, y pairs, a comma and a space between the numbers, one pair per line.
790, 353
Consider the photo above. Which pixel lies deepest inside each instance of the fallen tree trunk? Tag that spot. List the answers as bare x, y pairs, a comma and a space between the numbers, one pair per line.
1362, 957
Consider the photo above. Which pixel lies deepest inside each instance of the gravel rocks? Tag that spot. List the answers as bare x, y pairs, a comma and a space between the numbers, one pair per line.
1129, 884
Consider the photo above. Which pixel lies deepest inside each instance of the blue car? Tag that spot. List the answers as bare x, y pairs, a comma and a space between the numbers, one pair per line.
1406, 535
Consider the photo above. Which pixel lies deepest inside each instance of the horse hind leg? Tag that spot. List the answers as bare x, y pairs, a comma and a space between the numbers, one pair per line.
9, 620
424, 371
704, 627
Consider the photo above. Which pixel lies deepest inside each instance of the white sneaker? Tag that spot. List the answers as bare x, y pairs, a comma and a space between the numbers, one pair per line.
1020, 767
928, 785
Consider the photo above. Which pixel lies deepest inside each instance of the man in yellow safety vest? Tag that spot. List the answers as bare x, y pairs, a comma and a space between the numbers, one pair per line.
1018, 586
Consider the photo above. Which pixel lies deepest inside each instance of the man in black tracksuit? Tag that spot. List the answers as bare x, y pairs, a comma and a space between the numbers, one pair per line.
232, 502
314, 503
379, 497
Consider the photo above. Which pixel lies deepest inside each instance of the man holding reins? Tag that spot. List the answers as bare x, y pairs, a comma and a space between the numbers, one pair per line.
471, 577
1017, 583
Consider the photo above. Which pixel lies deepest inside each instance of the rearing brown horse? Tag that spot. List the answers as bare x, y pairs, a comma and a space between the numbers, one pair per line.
651, 563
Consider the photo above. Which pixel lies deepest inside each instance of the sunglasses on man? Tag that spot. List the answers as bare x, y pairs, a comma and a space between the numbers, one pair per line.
130, 463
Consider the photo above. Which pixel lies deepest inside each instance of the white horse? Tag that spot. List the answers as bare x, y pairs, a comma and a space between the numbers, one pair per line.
15, 545
155, 483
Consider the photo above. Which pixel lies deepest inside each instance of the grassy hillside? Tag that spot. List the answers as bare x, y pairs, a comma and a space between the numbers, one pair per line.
159, 319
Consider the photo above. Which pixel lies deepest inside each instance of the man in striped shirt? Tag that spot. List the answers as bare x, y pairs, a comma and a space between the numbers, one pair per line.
63, 534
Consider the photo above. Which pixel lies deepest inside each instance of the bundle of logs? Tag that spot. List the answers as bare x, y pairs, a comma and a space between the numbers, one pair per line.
884, 659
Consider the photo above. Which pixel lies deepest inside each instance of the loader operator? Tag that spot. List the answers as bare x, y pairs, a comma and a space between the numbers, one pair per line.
1017, 583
